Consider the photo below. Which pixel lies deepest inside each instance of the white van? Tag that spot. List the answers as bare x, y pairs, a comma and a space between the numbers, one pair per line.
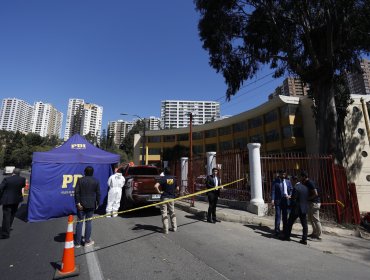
8, 170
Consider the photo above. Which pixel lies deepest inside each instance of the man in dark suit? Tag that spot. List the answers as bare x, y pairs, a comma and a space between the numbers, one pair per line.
211, 182
12, 194
299, 203
87, 198
280, 194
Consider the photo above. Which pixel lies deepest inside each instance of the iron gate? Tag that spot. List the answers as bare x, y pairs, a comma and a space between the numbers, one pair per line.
338, 197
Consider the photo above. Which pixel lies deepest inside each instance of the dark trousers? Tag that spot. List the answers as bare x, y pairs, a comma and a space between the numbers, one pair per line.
81, 215
292, 217
281, 213
212, 200
9, 211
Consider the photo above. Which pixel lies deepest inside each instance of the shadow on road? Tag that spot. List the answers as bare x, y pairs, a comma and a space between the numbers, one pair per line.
149, 227
267, 232
264, 231
56, 265
196, 217
61, 237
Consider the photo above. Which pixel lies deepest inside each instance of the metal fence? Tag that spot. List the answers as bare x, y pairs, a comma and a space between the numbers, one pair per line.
337, 202
338, 196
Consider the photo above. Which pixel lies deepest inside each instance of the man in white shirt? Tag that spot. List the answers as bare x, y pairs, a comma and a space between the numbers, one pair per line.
115, 183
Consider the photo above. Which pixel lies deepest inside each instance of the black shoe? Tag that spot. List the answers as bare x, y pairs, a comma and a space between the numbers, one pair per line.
304, 242
217, 220
209, 221
313, 236
285, 238
4, 237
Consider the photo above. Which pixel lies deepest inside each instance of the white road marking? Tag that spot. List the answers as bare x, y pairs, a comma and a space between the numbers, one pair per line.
93, 264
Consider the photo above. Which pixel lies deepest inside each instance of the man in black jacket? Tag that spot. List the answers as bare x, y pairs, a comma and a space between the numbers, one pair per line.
87, 198
211, 182
299, 208
12, 194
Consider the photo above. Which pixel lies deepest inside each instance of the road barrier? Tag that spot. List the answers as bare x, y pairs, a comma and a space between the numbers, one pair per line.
68, 267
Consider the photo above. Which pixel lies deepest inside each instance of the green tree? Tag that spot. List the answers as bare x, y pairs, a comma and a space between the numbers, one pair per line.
314, 40
6, 138
21, 157
92, 138
52, 141
103, 140
175, 152
127, 144
33, 139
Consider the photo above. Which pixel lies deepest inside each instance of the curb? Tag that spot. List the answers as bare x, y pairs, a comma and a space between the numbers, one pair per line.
259, 221
227, 217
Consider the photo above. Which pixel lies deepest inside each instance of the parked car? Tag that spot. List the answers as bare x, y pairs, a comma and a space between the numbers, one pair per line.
8, 170
139, 186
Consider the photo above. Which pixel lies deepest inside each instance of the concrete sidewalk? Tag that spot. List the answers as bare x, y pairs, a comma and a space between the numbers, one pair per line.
224, 213
336, 240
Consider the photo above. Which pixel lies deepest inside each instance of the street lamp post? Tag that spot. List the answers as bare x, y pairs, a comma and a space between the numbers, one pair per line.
144, 138
190, 165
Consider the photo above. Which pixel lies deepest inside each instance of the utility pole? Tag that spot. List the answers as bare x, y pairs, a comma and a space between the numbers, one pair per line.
190, 165
143, 149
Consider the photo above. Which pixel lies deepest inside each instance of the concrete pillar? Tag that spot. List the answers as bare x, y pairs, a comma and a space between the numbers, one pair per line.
184, 174
257, 204
137, 156
211, 162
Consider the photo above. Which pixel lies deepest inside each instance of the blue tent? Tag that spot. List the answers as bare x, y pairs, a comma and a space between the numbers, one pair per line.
55, 173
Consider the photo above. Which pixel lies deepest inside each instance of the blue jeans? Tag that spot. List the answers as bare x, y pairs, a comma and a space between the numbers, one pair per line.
85, 214
281, 213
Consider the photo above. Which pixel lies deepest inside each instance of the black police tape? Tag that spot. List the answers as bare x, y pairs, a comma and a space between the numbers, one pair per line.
159, 203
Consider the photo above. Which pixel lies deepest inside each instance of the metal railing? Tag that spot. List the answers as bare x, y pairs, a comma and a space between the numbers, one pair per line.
338, 196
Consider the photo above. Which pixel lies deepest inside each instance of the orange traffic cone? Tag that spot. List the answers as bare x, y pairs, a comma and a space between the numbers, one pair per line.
27, 186
68, 268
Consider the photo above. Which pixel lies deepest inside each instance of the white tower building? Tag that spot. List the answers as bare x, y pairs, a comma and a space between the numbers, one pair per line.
91, 121
73, 117
46, 120
175, 113
119, 130
154, 123
15, 115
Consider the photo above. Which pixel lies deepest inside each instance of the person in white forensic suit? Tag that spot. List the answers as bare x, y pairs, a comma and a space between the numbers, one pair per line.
115, 183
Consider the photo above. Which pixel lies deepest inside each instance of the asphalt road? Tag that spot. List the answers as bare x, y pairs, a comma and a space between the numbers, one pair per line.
132, 247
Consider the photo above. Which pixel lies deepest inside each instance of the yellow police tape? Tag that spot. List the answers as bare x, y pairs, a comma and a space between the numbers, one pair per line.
159, 203
340, 203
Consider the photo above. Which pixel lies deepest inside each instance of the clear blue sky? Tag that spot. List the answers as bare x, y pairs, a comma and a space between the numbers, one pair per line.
126, 56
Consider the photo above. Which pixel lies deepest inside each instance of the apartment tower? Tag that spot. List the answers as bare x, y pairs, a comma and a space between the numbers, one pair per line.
291, 87
46, 120
119, 129
83, 118
15, 115
176, 113
359, 83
